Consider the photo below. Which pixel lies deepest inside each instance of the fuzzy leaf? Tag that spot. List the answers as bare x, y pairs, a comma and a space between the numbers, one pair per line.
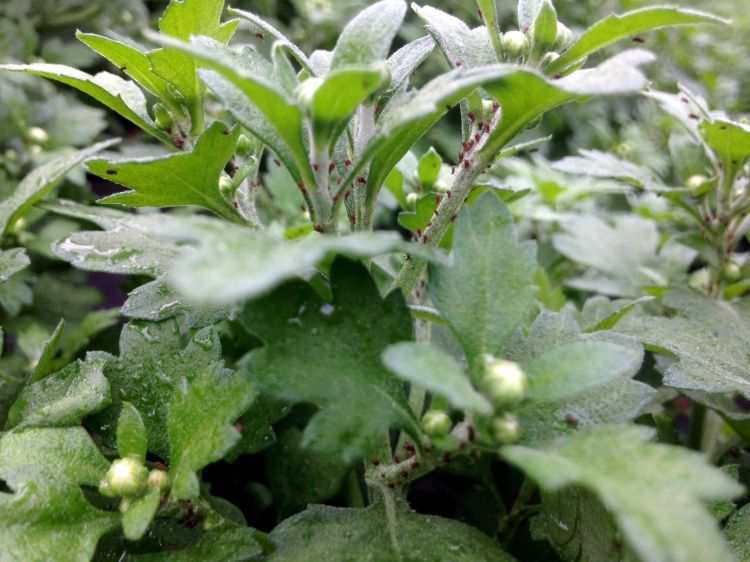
303, 361
616, 27
225, 544
200, 420
736, 533
655, 492
180, 179
12, 261
139, 515
405, 61
40, 182
488, 289
603, 165
336, 533
131, 433
47, 513
437, 372
368, 37
63, 398
121, 96
730, 141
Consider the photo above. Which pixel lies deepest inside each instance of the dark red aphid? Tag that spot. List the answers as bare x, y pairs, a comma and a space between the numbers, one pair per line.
238, 427
160, 465
318, 228
693, 116
276, 161
414, 465
391, 486
361, 179
347, 163
525, 29
449, 194
472, 116
453, 171
459, 64
477, 137
378, 109
396, 459
480, 14
331, 167
375, 462
405, 474
347, 194
353, 218
639, 40
437, 199
316, 167
425, 238
258, 35
225, 132
571, 420
179, 143
495, 106
235, 204
447, 457
453, 217
111, 172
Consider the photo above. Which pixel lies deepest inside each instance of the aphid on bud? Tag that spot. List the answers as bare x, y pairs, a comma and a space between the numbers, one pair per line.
414, 465
123, 68
235, 204
378, 109
347, 194
405, 474
239, 428
453, 217
336, 198
453, 171
458, 64
391, 486
479, 13
437, 213
449, 194
447, 457
480, 125
693, 116
467, 164
495, 106
428, 225
179, 142
571, 420
419, 232
477, 137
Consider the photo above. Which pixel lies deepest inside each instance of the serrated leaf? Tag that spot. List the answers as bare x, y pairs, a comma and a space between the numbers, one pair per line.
131, 433
655, 492
367, 38
43, 364
616, 27
436, 371
298, 476
730, 141
121, 96
708, 338
234, 263
736, 533
302, 360
12, 261
335, 533
153, 359
40, 182
603, 165
64, 398
200, 420
45, 469
488, 289
225, 544
190, 178
138, 517
129, 60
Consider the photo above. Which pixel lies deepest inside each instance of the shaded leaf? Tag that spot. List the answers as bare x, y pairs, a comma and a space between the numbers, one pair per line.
225, 544
131, 433
138, 517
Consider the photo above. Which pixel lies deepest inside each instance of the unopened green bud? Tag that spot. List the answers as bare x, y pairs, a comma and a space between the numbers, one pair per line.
549, 58
226, 185
697, 184
162, 116
411, 199
564, 37
244, 146
306, 91
732, 271
506, 429
515, 45
504, 382
10, 155
126, 477
37, 135
158, 479
436, 422
545, 28
36, 150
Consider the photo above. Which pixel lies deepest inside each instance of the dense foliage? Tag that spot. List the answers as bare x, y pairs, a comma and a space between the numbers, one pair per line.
364, 281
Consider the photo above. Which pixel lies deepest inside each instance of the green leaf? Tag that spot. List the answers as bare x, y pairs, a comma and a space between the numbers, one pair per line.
129, 60
616, 27
182, 20
404, 62
368, 37
654, 492
339, 95
736, 533
436, 371
488, 289
47, 513
545, 28
603, 165
131, 433
730, 141
154, 358
429, 168
225, 544
527, 11
600, 313
63, 398
43, 365
336, 533
463, 47
623, 252
190, 178
12, 261
708, 338
40, 182
235, 263
298, 476
303, 361
201, 415
138, 517
121, 96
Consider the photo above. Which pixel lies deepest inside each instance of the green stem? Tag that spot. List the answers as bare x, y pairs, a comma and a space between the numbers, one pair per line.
697, 422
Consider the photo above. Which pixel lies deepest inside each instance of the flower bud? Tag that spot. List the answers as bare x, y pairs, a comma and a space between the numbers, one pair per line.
504, 382
244, 146
36, 150
564, 37
126, 477
549, 58
37, 135
10, 155
158, 479
732, 271
436, 422
162, 116
306, 91
226, 185
515, 45
506, 429
411, 199
697, 184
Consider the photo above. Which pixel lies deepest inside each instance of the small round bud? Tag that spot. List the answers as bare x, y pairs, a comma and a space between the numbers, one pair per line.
126, 17
697, 184
36, 150
564, 37
10, 155
504, 382
436, 422
306, 91
226, 185
126, 477
158, 479
506, 429
244, 146
549, 58
162, 116
732, 271
37, 135
515, 45
411, 199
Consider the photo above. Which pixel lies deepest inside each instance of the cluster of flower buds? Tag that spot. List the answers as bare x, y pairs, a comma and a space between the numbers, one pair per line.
505, 384
129, 478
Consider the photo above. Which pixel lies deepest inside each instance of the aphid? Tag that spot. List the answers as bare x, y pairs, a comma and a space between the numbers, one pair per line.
225, 132
472, 433
467, 164
391, 486
179, 142
479, 13
447, 457
437, 213
303, 208
361, 179
347, 162
453, 171
276, 161
414, 465
353, 218
336, 198
477, 137
258, 35
347, 194
425, 238
458, 64
375, 462
378, 109
331, 167
316, 167
474, 455
495, 106
437, 199
693, 116
123, 68
449, 194
405, 474
533, 150
571, 420
453, 217
160, 465
318, 228
472, 116
111, 172
239, 428
480, 125
428, 225
235, 204
639, 40
525, 29
419, 233
396, 459
557, 76
466, 146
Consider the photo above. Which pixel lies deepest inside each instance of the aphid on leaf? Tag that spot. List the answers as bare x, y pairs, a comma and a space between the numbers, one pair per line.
111, 172
258, 35
639, 40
